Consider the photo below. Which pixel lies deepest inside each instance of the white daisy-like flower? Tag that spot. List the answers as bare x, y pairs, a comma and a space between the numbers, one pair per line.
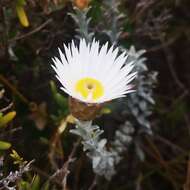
94, 74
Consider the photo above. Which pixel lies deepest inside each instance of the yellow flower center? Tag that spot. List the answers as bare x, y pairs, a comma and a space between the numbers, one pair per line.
89, 88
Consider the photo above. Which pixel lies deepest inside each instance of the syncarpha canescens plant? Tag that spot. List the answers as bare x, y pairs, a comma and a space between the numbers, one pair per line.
92, 75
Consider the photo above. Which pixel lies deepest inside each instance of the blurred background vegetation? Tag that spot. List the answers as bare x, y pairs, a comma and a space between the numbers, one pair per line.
34, 115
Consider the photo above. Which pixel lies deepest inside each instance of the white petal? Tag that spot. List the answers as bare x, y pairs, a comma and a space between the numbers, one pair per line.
103, 64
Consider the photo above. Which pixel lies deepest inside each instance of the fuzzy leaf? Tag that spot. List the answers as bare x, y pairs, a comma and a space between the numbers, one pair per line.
21, 2
22, 15
4, 145
4, 120
36, 183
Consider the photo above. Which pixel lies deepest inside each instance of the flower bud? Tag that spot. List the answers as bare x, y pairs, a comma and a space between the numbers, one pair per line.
81, 4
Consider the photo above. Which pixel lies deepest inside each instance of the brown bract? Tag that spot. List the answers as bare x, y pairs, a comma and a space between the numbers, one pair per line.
83, 111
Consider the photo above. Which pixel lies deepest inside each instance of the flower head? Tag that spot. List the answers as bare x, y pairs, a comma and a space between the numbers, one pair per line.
94, 74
